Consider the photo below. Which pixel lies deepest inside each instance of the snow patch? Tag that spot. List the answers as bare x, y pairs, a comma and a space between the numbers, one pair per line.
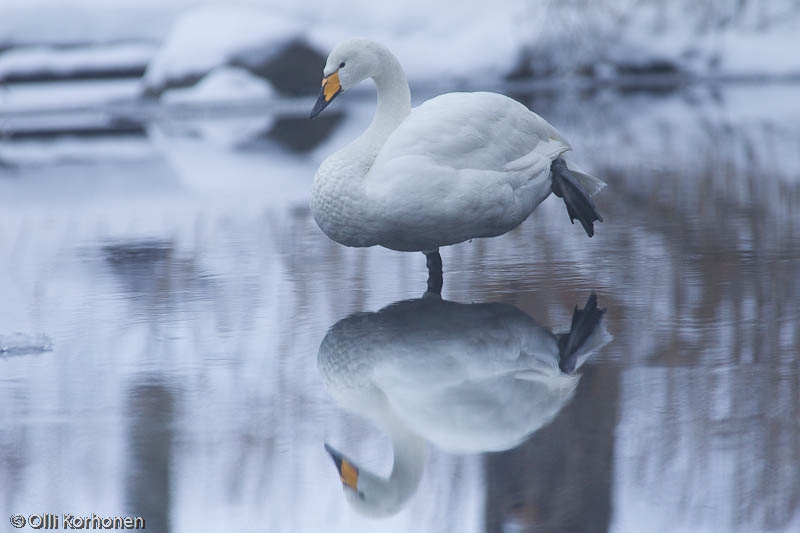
221, 84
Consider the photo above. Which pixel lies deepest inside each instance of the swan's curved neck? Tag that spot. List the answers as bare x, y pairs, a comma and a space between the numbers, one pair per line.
394, 97
409, 462
408, 450
338, 200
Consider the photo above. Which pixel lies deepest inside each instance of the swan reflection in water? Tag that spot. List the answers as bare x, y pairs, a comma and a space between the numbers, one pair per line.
469, 378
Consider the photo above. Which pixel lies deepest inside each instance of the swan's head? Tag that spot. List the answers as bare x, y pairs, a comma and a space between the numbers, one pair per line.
348, 64
367, 493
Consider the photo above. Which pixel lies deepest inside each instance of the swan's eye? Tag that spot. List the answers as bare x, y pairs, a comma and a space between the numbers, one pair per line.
360, 494
341, 65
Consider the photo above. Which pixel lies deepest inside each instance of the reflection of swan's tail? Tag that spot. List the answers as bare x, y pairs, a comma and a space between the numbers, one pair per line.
584, 323
568, 185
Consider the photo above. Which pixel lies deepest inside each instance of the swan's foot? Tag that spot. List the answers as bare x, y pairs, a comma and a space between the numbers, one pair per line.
435, 278
579, 203
583, 325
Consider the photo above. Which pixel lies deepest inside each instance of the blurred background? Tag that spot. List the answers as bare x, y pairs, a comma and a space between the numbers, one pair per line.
164, 289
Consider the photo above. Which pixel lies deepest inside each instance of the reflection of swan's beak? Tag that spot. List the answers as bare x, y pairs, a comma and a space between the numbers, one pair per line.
348, 472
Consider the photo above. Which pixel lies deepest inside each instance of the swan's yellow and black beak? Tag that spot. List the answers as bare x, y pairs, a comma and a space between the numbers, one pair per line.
330, 88
348, 472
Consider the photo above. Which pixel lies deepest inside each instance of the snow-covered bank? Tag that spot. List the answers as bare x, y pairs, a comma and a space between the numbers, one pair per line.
449, 40
98, 61
609, 37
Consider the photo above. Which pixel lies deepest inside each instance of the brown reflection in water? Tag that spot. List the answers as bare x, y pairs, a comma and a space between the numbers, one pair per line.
14, 446
560, 479
707, 322
150, 439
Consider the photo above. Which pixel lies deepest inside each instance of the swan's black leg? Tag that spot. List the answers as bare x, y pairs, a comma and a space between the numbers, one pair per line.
579, 203
435, 277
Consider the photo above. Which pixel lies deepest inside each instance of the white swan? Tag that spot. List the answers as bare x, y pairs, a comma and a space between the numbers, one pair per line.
460, 166
467, 377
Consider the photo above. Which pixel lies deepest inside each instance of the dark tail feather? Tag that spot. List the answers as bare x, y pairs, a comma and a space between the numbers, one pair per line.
579, 203
583, 325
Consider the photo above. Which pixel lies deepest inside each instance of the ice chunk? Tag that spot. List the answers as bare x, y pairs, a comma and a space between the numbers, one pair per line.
21, 344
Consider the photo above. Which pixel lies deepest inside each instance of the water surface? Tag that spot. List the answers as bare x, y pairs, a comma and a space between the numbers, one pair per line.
186, 289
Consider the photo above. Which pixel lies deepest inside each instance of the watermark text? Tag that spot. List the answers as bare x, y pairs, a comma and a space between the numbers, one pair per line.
70, 521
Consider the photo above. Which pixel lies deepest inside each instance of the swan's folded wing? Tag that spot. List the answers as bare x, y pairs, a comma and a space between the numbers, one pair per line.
461, 166
472, 131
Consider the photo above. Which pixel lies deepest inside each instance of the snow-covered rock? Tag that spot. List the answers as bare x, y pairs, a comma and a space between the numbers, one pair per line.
203, 39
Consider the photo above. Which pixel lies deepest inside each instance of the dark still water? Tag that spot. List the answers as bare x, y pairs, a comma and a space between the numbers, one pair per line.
165, 294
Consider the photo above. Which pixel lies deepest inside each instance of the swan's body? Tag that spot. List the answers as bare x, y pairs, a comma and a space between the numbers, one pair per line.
460, 166
440, 179
468, 378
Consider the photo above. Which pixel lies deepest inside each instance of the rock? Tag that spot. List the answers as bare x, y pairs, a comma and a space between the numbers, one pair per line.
295, 70
268, 45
